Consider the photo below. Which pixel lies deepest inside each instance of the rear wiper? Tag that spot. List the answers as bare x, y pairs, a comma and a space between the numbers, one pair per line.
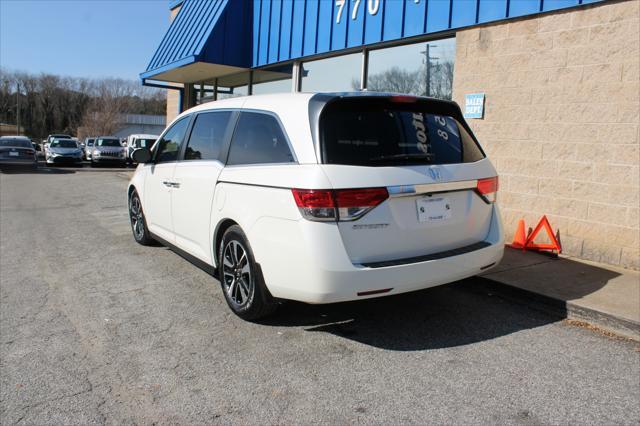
423, 156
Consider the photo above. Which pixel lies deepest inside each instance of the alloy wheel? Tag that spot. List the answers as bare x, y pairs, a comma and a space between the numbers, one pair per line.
137, 220
237, 279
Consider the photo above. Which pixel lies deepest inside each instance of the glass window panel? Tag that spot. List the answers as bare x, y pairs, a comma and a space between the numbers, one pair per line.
339, 74
258, 139
272, 80
169, 145
403, 69
207, 136
278, 86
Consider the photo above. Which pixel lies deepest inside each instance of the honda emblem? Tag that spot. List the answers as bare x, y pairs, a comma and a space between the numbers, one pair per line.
435, 174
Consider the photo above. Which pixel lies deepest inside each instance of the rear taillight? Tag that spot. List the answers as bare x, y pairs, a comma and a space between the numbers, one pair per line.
354, 203
337, 205
488, 188
315, 204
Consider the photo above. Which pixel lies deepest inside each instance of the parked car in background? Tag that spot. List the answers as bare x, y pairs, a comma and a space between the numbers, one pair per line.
64, 152
17, 151
139, 141
88, 146
108, 150
320, 198
51, 137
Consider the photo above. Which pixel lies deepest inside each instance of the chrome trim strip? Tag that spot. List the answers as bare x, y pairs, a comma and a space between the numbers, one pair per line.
430, 188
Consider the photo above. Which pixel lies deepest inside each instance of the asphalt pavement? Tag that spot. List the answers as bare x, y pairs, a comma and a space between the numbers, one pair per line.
95, 329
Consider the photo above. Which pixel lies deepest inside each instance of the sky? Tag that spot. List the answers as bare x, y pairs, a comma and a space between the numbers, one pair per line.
81, 38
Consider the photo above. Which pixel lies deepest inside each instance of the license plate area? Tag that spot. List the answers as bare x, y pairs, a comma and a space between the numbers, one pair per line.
434, 209
14, 153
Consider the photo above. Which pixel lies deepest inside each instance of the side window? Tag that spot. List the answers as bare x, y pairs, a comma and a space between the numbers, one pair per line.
169, 146
258, 139
207, 136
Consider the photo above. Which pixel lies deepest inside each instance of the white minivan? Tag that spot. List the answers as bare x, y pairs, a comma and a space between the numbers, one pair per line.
320, 198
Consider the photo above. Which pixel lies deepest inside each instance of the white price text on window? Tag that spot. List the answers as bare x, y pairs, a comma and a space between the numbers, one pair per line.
372, 7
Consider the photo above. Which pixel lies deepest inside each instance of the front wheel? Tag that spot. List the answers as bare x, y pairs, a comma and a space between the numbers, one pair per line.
241, 279
138, 222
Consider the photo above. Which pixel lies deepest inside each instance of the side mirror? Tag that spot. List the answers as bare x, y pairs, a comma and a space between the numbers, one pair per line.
141, 155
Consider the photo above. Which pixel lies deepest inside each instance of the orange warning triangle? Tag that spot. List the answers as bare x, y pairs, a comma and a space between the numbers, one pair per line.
519, 239
555, 245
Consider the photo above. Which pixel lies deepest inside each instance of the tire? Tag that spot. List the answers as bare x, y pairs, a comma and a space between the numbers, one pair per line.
241, 280
138, 222
93, 164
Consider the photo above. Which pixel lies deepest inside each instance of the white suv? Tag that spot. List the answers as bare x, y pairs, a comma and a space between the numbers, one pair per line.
320, 198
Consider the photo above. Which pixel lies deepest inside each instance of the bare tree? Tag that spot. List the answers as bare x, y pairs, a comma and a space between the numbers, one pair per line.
50, 103
398, 80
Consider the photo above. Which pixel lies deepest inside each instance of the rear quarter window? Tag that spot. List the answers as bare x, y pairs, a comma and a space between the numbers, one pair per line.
383, 133
258, 139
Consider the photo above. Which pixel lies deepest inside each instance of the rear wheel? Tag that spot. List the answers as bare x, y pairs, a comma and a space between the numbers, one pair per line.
241, 278
138, 222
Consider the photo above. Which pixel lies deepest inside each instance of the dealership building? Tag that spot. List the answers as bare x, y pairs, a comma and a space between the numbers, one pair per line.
551, 88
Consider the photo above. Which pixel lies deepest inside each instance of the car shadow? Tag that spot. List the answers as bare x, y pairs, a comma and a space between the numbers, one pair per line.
451, 315
469, 311
461, 313
39, 171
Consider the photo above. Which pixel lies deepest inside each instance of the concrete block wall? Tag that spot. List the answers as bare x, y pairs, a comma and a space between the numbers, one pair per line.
173, 105
561, 122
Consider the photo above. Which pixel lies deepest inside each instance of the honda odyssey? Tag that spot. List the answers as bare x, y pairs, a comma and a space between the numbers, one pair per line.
320, 198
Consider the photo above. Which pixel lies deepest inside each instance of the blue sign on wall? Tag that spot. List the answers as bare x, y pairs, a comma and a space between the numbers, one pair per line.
474, 105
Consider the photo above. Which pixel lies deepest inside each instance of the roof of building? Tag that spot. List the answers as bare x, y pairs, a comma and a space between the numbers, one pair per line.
206, 36
214, 38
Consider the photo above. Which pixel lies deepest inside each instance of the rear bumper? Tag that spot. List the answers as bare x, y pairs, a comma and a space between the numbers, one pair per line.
18, 163
312, 265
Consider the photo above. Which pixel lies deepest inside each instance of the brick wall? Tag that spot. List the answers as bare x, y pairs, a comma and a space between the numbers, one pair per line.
561, 122
173, 101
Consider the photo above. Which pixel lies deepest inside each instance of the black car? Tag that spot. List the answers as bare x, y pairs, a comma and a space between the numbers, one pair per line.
17, 152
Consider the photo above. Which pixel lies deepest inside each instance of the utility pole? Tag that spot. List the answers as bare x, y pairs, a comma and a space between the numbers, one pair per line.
18, 107
427, 61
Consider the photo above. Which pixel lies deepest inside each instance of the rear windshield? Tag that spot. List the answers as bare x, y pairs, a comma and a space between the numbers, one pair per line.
16, 142
372, 132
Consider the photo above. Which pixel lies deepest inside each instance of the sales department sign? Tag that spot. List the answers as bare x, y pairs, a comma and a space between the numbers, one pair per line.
474, 105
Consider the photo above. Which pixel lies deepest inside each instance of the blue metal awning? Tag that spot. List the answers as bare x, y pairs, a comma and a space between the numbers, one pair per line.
207, 37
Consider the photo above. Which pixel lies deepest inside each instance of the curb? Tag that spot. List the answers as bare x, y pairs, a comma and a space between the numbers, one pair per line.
565, 310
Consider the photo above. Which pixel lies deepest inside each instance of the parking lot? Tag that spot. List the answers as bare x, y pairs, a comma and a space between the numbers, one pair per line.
97, 329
